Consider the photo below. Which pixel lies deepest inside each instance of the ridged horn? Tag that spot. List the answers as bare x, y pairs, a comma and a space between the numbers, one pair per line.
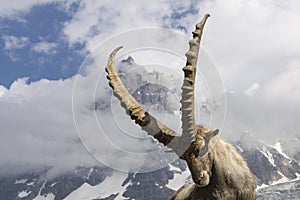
187, 101
146, 121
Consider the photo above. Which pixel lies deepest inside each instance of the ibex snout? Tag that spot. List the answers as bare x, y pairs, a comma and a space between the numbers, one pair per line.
203, 179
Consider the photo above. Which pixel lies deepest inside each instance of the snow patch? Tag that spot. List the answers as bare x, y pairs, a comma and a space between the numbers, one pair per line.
49, 196
278, 147
90, 172
31, 183
240, 148
180, 178
268, 155
24, 194
261, 186
42, 197
110, 185
21, 181
283, 179
53, 184
174, 169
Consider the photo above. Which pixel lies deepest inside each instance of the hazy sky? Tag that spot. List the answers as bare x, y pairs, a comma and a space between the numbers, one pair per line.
254, 44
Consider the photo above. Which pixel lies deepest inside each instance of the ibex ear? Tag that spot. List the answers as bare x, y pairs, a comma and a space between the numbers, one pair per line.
209, 135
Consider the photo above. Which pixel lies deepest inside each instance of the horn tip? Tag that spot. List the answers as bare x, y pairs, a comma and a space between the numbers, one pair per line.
116, 50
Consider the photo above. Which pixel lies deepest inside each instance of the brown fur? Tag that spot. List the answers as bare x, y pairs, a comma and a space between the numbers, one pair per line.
228, 176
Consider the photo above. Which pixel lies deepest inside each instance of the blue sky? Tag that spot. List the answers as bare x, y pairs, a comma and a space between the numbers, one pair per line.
254, 44
43, 53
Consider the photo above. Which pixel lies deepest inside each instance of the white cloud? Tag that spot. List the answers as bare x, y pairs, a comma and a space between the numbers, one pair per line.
12, 42
12, 7
252, 90
256, 42
103, 19
44, 47
37, 127
3, 90
284, 88
251, 41
270, 112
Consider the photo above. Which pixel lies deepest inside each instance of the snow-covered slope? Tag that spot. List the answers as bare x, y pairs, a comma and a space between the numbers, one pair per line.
275, 173
110, 186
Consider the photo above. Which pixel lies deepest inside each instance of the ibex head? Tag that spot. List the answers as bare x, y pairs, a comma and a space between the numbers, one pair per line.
198, 158
194, 143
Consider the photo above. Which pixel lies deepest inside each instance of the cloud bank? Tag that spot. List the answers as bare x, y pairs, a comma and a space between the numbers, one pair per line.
37, 127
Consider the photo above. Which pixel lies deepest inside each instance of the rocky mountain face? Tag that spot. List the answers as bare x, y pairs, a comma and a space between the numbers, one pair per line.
38, 184
276, 167
277, 177
269, 163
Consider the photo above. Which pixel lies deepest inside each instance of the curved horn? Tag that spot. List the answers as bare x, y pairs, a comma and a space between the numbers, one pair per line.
187, 101
147, 122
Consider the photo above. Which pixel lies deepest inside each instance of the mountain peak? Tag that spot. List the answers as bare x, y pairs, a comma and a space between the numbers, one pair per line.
129, 60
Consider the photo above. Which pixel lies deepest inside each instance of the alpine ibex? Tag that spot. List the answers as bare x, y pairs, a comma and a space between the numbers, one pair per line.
217, 170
